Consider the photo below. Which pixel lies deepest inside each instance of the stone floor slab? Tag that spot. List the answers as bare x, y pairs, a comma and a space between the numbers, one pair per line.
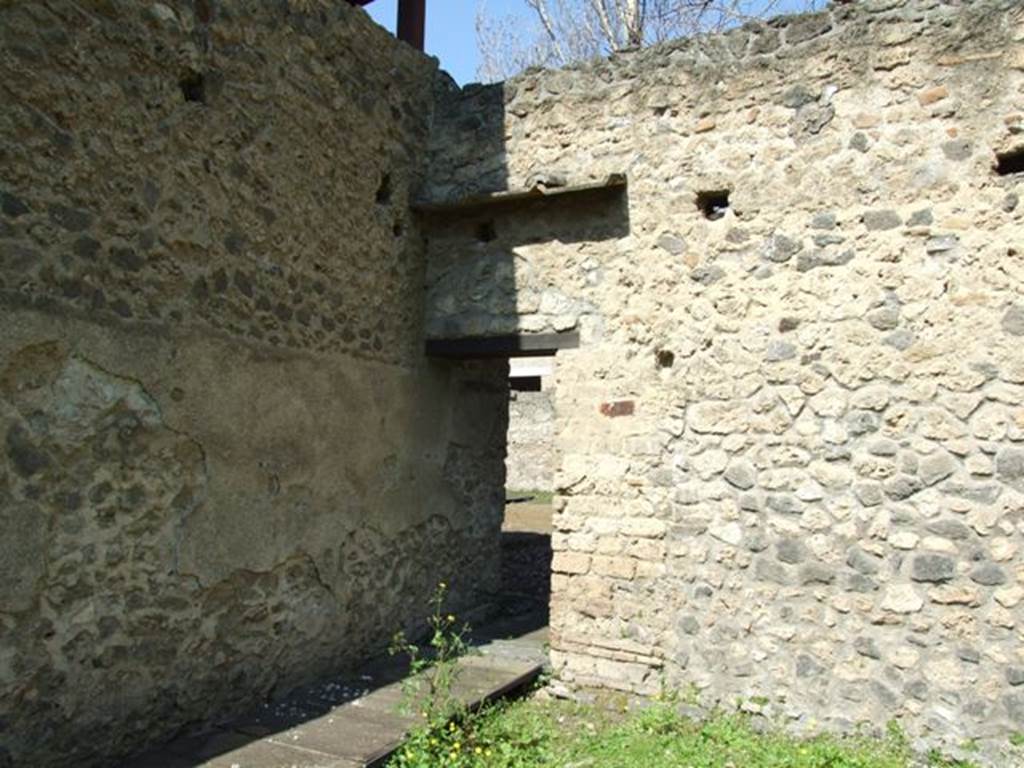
269, 754
233, 750
351, 732
357, 721
159, 758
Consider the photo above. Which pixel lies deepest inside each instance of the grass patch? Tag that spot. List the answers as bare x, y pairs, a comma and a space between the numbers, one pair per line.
535, 732
532, 732
534, 497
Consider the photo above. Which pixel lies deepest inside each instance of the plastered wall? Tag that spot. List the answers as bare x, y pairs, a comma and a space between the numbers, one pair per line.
227, 465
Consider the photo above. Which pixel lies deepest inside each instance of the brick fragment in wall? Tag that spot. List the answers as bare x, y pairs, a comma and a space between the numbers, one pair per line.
618, 408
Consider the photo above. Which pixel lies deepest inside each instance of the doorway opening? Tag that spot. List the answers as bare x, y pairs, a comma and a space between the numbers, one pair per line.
530, 463
520, 603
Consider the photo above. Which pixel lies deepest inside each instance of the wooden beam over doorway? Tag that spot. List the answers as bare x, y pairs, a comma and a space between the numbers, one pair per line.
513, 345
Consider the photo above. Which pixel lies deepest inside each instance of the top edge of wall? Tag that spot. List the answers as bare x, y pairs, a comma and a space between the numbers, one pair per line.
788, 37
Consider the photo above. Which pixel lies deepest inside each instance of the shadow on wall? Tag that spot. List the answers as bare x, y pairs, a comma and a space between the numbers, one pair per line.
493, 238
483, 257
486, 263
489, 235
225, 467
466, 151
526, 578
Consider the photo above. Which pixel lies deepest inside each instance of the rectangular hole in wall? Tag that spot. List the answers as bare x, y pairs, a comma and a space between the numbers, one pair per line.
486, 232
713, 203
193, 87
1010, 162
524, 383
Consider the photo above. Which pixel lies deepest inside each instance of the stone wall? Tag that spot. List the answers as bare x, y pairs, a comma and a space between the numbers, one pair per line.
792, 438
531, 456
227, 465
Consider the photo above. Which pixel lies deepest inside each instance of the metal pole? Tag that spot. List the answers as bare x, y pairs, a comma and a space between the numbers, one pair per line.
412, 16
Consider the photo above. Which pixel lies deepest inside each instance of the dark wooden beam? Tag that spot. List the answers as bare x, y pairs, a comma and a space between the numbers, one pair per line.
412, 19
518, 345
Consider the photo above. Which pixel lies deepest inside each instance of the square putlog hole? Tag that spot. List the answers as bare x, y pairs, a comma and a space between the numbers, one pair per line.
383, 195
193, 87
1010, 162
486, 231
713, 204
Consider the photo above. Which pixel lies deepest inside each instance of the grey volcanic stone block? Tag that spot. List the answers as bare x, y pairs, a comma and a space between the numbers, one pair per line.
934, 568
881, 219
1013, 320
861, 561
866, 646
741, 474
1010, 465
988, 574
791, 551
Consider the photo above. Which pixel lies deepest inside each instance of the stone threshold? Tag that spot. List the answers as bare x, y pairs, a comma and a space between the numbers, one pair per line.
355, 722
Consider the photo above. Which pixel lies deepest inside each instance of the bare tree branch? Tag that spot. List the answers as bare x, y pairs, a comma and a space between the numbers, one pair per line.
601, 12
633, 20
568, 31
540, 7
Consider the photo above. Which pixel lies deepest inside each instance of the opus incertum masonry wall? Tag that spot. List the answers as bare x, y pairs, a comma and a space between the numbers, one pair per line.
530, 452
227, 464
792, 436
791, 431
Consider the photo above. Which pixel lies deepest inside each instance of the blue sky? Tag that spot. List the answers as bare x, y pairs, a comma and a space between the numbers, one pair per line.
451, 34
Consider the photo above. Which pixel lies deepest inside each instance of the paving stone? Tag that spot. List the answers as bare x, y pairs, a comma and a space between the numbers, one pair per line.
159, 758
266, 753
361, 736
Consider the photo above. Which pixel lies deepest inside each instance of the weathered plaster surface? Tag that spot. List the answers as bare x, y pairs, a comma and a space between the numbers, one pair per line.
227, 466
792, 438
